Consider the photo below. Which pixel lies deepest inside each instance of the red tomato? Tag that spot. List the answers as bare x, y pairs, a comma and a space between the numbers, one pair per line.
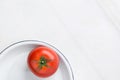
43, 61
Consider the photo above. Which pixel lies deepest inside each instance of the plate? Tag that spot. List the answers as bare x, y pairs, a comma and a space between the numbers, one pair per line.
13, 62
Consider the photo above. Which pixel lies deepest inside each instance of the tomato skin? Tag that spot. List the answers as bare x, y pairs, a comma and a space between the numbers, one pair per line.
43, 61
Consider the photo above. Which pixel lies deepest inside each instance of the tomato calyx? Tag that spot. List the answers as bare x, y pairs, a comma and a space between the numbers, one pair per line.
43, 62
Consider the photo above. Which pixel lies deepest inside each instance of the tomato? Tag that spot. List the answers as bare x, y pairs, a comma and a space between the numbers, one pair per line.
43, 61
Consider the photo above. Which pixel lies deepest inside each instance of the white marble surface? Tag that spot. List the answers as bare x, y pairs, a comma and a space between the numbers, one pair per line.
86, 31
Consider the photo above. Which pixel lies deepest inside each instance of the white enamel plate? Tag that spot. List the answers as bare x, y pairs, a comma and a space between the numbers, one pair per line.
13, 64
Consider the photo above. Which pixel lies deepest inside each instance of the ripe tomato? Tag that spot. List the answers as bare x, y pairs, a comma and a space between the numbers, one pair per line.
43, 61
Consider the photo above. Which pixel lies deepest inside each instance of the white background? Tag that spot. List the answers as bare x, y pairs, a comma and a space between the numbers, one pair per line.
86, 31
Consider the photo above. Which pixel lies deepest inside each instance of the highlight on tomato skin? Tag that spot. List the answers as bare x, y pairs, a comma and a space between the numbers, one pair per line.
43, 61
